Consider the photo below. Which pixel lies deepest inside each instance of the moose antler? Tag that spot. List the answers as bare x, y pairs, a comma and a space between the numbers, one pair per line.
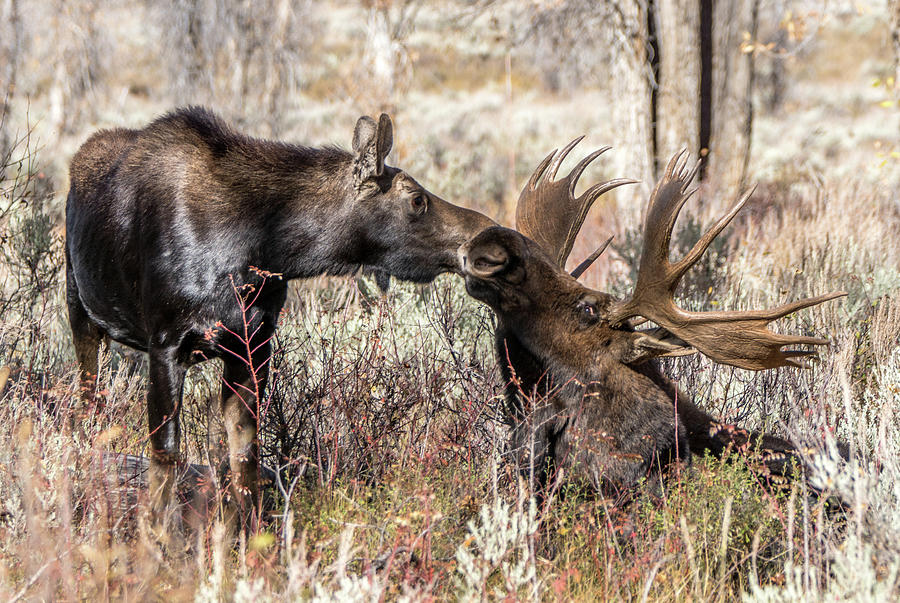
548, 211
737, 338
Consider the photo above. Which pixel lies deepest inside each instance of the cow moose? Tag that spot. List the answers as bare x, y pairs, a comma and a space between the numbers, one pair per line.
167, 223
584, 392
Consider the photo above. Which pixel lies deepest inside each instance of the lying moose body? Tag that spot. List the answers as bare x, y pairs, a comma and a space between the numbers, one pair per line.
169, 225
584, 394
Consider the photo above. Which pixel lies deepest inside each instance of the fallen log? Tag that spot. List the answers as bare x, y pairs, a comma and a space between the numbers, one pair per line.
197, 497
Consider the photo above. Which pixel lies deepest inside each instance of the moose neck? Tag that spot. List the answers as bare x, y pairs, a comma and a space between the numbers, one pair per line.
545, 375
300, 207
530, 375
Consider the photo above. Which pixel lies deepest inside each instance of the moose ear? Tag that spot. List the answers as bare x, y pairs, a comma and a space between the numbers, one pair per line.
365, 165
371, 143
385, 140
364, 134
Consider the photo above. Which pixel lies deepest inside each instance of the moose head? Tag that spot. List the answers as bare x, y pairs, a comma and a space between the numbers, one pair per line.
402, 229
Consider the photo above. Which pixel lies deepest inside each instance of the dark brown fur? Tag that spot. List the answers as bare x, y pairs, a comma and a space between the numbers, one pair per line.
163, 223
585, 399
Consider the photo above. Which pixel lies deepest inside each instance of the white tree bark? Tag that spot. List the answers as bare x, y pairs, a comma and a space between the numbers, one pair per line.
632, 82
895, 38
732, 83
678, 97
658, 119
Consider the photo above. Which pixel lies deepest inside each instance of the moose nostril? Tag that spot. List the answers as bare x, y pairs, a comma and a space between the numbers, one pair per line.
485, 262
489, 261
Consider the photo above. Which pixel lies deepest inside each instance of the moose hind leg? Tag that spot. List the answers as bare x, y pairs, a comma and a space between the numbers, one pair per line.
163, 407
86, 336
243, 384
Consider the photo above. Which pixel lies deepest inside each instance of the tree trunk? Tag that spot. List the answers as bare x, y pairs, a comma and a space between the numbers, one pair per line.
632, 82
682, 81
895, 38
732, 84
678, 104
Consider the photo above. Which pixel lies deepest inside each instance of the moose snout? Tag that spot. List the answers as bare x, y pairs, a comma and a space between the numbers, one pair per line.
483, 261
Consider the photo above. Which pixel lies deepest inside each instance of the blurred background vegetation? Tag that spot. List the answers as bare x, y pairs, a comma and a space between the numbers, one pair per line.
480, 89
382, 413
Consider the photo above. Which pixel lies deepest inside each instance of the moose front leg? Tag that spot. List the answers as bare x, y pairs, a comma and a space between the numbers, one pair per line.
163, 406
243, 384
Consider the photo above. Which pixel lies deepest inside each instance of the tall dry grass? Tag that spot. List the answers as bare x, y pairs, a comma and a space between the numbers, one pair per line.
382, 425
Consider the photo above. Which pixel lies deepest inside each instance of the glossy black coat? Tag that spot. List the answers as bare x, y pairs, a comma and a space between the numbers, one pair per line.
169, 226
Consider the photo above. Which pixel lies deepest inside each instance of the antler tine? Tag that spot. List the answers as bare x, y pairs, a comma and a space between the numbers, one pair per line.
562, 156
548, 210
689, 177
579, 168
586, 200
680, 166
738, 338
700, 247
539, 171
790, 355
579, 270
602, 187
771, 314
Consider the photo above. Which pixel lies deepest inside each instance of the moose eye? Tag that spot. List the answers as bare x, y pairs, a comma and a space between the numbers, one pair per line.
418, 203
588, 310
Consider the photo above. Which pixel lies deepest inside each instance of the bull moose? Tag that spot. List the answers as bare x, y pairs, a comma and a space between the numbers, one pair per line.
166, 224
584, 392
